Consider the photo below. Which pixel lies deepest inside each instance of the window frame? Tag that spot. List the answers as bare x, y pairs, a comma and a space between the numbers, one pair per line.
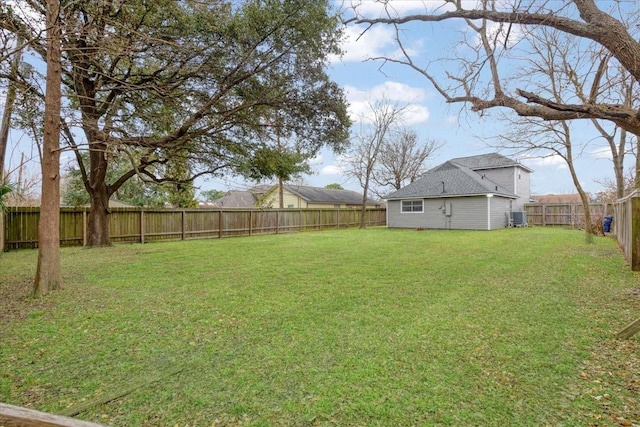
413, 203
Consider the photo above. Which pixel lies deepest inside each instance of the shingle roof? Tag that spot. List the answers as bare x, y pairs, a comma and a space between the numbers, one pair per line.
487, 161
237, 199
448, 180
326, 195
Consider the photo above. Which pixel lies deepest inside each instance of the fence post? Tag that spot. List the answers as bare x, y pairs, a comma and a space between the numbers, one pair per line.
250, 223
84, 227
142, 225
635, 233
220, 224
184, 224
277, 221
3, 226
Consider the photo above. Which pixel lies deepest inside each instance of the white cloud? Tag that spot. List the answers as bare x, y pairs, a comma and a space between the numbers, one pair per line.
503, 34
393, 8
28, 15
416, 113
359, 45
360, 101
316, 160
602, 153
331, 170
554, 161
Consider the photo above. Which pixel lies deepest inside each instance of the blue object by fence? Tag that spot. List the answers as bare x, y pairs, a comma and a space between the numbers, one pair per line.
606, 225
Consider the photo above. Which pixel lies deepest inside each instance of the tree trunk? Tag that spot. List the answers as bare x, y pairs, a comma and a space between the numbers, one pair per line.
99, 192
98, 220
49, 273
588, 228
637, 183
363, 210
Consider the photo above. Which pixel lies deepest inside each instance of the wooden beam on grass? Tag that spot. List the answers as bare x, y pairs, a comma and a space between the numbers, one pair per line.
630, 330
16, 416
102, 399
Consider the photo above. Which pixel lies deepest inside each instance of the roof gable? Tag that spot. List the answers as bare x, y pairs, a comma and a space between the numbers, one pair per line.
237, 199
327, 195
448, 180
487, 161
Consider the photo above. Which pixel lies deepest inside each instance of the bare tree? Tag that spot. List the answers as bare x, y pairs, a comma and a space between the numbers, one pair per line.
560, 69
402, 160
8, 112
501, 31
48, 273
609, 193
367, 145
619, 140
551, 138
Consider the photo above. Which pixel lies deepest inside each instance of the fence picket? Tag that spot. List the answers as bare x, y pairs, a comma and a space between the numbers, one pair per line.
149, 225
565, 214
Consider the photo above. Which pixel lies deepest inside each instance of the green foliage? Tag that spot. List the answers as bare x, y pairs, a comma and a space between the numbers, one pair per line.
502, 328
334, 186
135, 191
268, 162
5, 189
181, 193
212, 195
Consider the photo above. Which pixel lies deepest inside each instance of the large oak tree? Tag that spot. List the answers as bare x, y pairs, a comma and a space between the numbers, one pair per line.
155, 81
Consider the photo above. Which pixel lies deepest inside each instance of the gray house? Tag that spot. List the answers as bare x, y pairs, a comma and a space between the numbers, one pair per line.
482, 192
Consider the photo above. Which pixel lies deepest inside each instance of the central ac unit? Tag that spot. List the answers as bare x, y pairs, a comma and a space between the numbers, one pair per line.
519, 219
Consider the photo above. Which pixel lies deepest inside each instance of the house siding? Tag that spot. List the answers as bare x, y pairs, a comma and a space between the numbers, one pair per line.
272, 200
467, 213
499, 210
504, 177
319, 205
523, 189
514, 179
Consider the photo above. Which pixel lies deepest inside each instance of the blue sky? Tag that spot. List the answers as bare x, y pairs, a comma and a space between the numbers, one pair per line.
460, 131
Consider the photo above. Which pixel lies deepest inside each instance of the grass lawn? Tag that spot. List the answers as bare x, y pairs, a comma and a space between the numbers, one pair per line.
348, 327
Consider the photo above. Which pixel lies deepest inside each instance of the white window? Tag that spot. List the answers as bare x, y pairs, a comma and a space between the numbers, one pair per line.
412, 206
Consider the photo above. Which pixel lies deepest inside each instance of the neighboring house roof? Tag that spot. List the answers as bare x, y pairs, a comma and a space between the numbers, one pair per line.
237, 199
453, 178
327, 195
113, 203
487, 161
558, 198
261, 188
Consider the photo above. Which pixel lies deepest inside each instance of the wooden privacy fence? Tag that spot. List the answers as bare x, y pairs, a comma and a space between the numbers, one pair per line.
564, 214
152, 225
627, 230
